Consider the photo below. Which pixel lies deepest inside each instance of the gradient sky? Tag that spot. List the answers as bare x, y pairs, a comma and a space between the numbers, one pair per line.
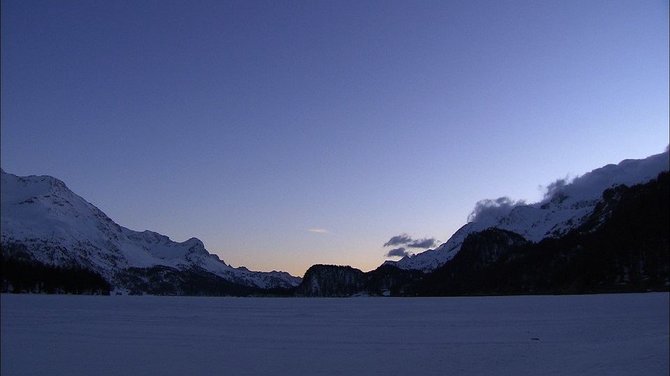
249, 123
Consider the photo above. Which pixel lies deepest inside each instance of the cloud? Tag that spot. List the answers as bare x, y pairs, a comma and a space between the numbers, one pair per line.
423, 243
555, 188
493, 209
397, 252
319, 230
398, 240
406, 240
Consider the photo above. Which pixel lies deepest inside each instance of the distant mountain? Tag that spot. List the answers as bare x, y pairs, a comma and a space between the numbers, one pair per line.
44, 222
336, 280
332, 280
607, 231
623, 245
565, 207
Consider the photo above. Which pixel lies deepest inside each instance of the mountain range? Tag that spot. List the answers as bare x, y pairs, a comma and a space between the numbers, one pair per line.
565, 207
45, 222
603, 231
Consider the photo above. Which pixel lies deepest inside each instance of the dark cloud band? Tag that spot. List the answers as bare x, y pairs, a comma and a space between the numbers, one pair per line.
408, 241
398, 240
397, 252
423, 243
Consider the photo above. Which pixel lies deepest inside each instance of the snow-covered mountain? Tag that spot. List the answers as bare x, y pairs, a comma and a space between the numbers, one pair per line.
58, 227
565, 207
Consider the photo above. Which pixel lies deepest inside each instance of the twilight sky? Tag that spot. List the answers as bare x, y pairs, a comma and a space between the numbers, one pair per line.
284, 133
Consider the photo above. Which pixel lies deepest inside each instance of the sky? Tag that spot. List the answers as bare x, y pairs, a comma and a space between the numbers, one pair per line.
289, 133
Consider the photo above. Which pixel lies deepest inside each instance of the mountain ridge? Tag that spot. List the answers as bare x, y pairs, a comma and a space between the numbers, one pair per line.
565, 206
623, 246
577, 239
59, 227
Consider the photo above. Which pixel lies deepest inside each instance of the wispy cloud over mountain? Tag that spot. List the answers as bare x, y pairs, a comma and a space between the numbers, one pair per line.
407, 242
423, 243
397, 252
555, 187
397, 240
497, 208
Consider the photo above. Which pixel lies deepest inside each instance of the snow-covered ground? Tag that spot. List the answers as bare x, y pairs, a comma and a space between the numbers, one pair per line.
530, 335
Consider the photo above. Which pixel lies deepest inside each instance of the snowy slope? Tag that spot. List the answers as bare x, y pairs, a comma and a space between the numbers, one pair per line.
564, 208
59, 227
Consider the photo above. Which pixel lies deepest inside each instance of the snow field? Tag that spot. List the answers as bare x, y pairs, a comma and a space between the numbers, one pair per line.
624, 334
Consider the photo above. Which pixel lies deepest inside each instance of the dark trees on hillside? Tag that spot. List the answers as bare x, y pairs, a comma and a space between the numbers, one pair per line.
22, 275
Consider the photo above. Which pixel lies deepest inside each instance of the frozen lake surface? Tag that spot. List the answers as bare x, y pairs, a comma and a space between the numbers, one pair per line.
529, 335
